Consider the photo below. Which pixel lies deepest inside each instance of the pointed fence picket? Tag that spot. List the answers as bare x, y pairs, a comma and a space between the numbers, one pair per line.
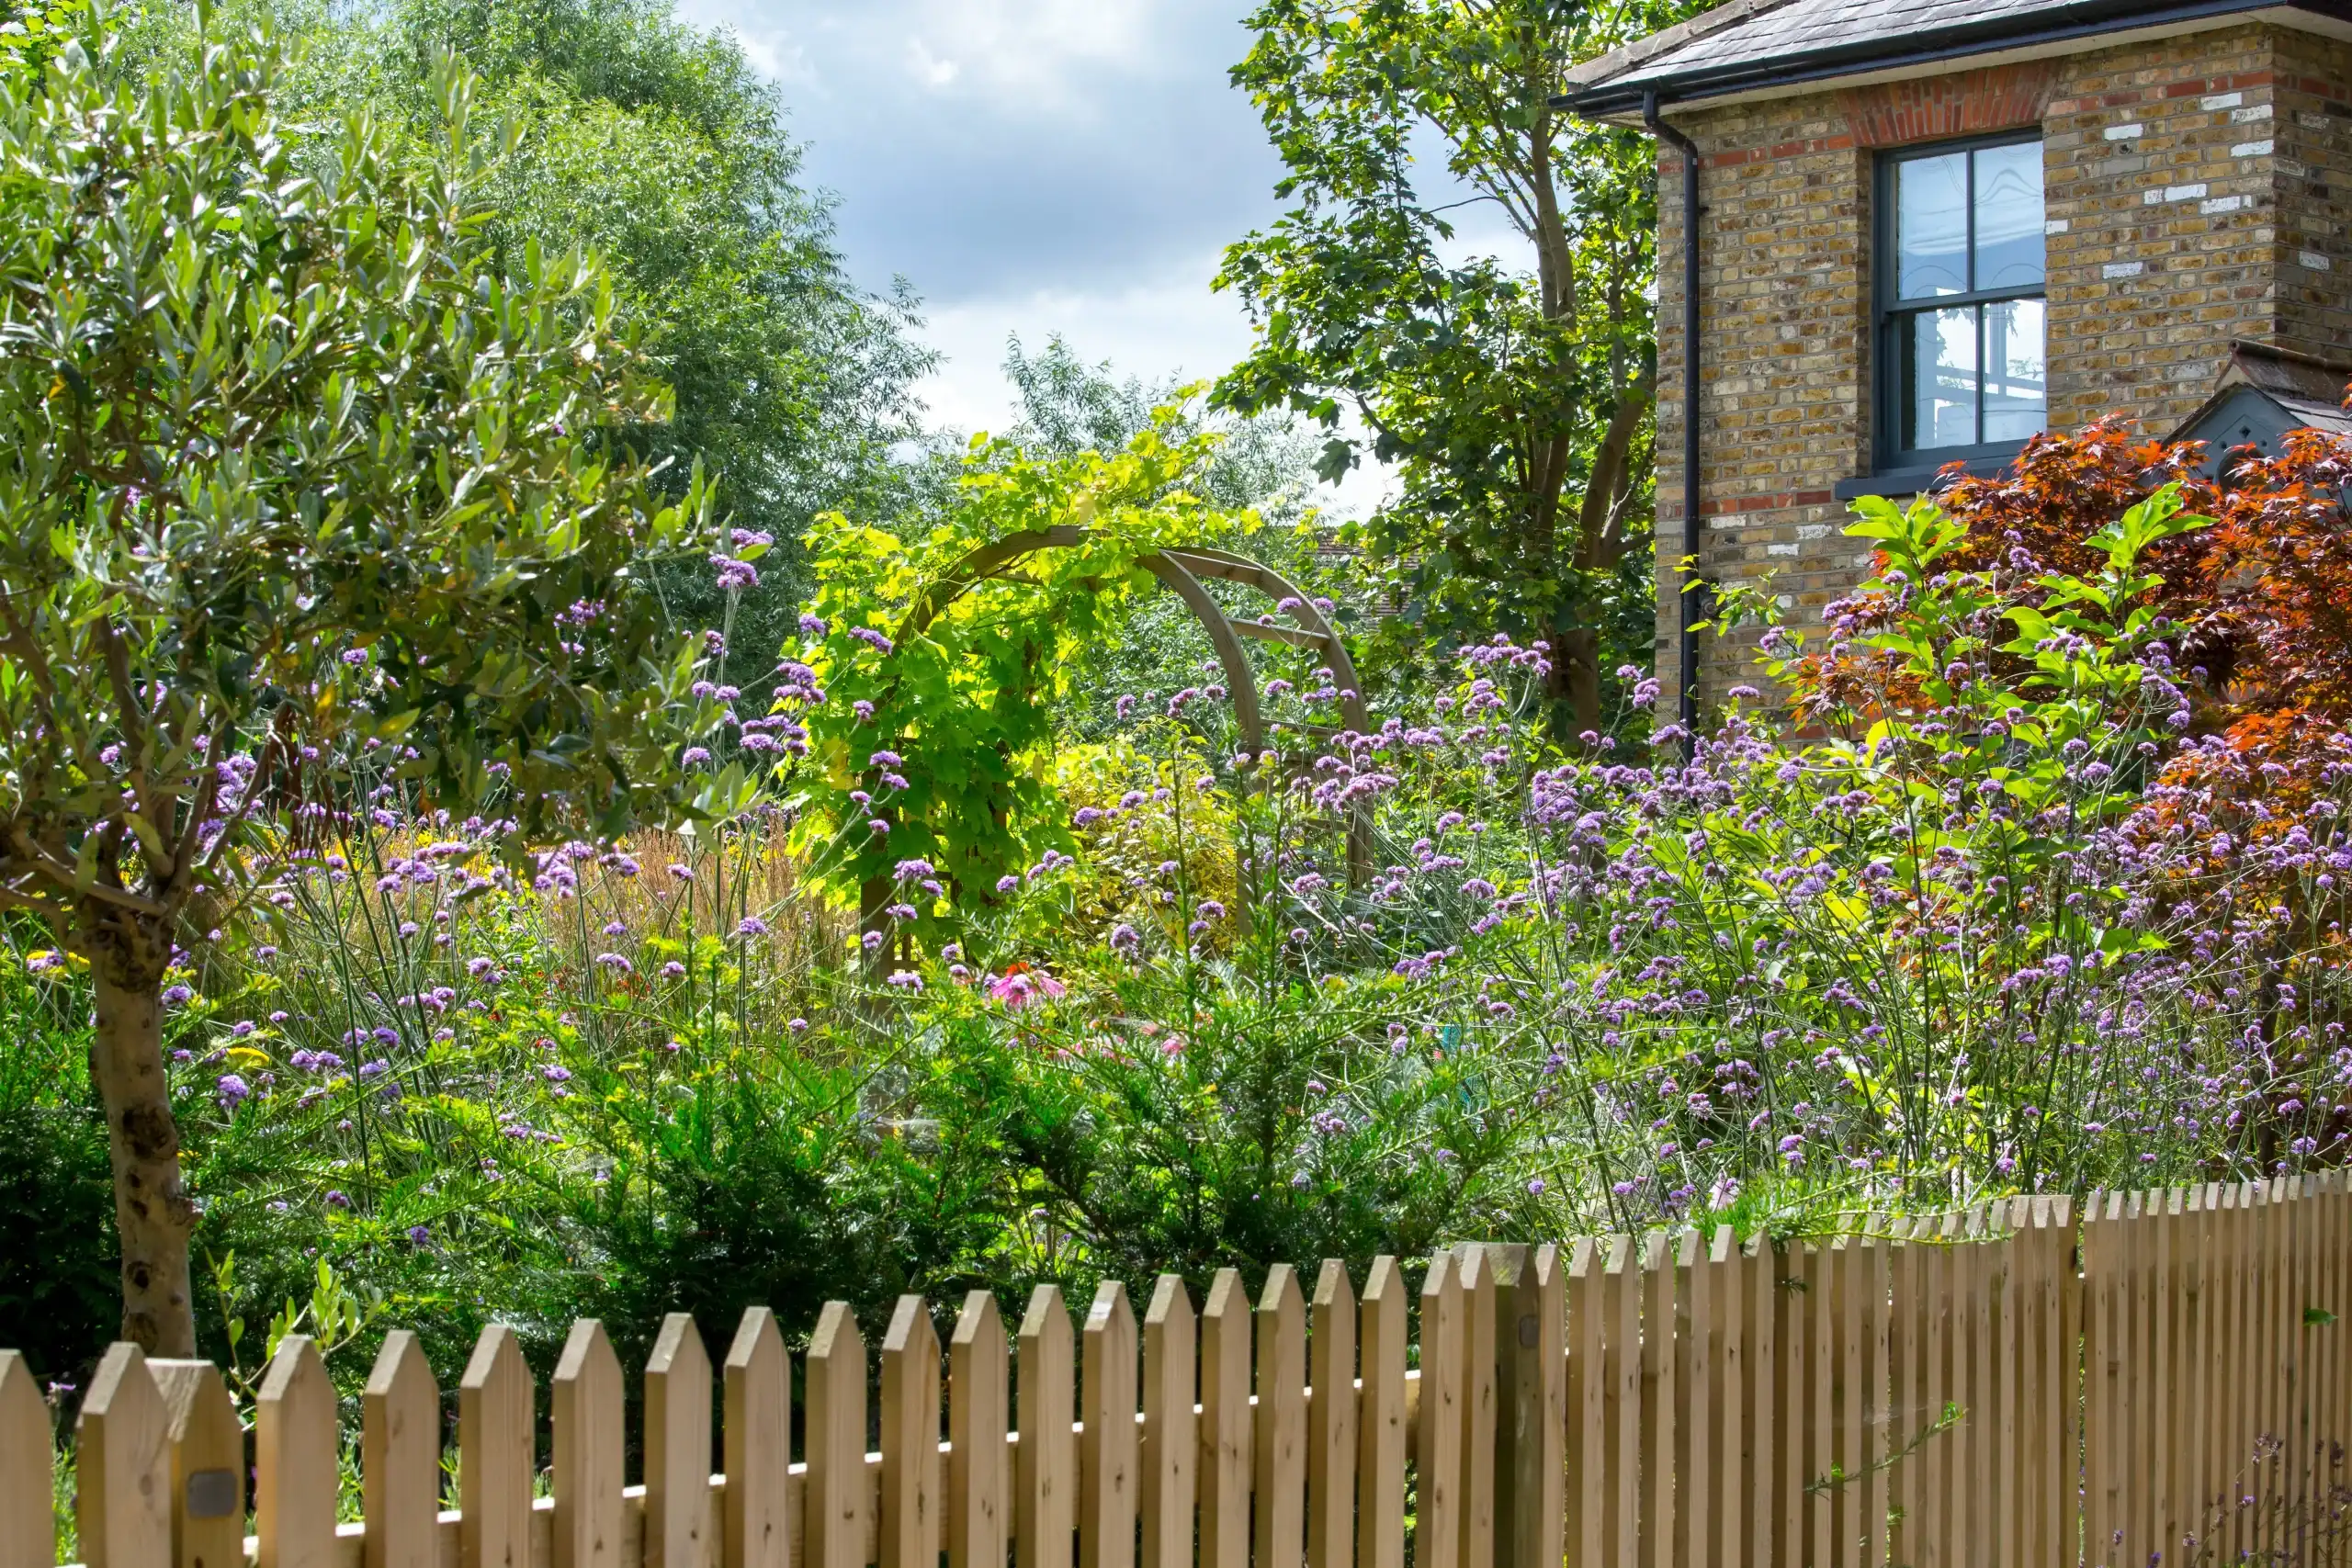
400, 1456
207, 1464
2165, 1379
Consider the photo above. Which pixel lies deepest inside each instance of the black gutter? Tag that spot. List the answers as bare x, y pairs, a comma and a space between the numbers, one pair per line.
1928, 46
1688, 598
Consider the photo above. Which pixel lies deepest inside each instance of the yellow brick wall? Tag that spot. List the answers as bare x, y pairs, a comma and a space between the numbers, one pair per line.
1785, 323
2157, 159
2196, 190
2312, 169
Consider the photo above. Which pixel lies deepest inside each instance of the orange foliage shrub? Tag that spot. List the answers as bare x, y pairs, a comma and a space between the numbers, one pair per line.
2262, 603
2279, 578
2064, 488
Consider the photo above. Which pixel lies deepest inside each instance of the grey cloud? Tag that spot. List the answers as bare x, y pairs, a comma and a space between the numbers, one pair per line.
1078, 171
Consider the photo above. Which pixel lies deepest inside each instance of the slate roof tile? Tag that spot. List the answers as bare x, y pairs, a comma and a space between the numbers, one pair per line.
1801, 26
1747, 41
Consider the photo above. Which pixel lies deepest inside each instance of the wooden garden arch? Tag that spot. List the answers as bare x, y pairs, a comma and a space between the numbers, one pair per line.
1181, 571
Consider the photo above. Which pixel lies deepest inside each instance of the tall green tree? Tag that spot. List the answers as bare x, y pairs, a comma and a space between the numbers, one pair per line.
296, 483
1513, 393
658, 145
1262, 462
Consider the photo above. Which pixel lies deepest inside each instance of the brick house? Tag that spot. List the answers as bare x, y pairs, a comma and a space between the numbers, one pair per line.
1928, 228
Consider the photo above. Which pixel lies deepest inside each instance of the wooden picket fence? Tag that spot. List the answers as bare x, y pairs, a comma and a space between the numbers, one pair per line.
2163, 1380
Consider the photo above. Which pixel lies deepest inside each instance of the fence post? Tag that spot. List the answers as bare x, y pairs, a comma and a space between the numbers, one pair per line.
1588, 1447
208, 1446
1225, 1459
1877, 1420
587, 1411
27, 1533
1171, 1444
1047, 1505
1531, 1427
1725, 1532
978, 1503
2145, 1481
496, 1449
1622, 1391
1437, 1526
2280, 1311
1812, 1306
2163, 1231
1694, 1383
677, 1447
1474, 1267
1331, 1422
756, 1531
1380, 1419
834, 1502
2103, 1366
400, 1457
1659, 1310
1503, 1266
1106, 1482
2064, 1518
2335, 1373
2184, 1483
295, 1453
1760, 1333
1543, 1525
909, 1532
1280, 1468
122, 1475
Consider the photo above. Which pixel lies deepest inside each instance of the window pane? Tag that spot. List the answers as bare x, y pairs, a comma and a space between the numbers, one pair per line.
2009, 216
1939, 379
2016, 395
1931, 226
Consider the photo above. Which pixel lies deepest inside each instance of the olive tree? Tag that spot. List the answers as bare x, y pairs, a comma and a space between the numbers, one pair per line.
292, 478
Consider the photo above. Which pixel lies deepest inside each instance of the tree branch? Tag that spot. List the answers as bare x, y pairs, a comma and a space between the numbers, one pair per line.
1596, 516
38, 858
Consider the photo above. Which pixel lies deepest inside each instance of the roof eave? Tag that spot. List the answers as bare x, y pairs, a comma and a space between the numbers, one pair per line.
2057, 25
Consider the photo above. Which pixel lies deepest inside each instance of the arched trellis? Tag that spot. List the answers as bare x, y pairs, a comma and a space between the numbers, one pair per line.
1181, 571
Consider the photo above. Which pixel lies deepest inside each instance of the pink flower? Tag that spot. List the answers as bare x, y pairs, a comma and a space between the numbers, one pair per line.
1016, 988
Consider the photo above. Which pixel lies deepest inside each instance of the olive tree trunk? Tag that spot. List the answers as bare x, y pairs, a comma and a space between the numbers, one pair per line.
153, 1214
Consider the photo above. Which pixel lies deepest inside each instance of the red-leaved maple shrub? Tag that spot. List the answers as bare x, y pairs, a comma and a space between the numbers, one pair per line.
2263, 601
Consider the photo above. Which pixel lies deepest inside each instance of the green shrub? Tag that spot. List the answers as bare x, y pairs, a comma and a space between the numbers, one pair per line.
59, 1295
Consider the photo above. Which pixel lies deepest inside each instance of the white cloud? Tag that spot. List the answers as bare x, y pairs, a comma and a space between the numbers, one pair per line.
1031, 167
1171, 326
1034, 56
928, 68
982, 147
774, 52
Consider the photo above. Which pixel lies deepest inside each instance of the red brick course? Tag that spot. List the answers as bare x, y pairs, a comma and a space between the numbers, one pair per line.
1931, 108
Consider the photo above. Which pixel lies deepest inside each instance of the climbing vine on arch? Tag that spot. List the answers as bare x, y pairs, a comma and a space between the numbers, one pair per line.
915, 712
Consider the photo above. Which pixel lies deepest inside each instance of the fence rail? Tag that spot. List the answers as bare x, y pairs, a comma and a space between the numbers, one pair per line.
2160, 1380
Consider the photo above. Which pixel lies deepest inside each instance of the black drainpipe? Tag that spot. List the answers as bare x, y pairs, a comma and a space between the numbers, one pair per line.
1691, 532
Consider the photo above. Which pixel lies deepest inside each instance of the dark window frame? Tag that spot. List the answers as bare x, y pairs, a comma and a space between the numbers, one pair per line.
1887, 310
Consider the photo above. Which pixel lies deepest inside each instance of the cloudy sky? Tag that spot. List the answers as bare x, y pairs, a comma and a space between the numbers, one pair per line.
1031, 166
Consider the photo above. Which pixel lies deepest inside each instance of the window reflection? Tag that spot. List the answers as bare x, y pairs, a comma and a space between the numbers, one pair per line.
2016, 391
1931, 226
2009, 217
1943, 377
